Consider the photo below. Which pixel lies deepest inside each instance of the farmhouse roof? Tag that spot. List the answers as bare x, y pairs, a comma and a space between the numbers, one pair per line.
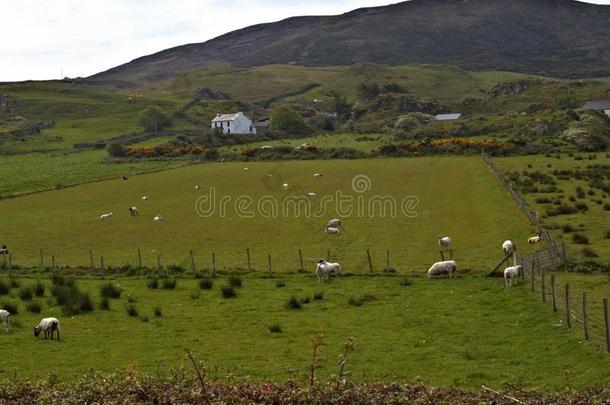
597, 105
448, 117
225, 117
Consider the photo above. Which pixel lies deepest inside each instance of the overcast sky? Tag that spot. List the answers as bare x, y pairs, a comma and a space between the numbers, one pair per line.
43, 39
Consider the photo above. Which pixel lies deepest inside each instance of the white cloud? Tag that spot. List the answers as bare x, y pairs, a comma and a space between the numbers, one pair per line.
42, 38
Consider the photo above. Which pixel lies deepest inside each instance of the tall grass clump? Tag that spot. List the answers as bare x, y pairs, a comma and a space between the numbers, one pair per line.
33, 307
228, 291
132, 310
105, 304
153, 284
168, 283
318, 296
4, 288
71, 299
39, 289
206, 283
294, 303
158, 312
26, 293
580, 238
10, 307
235, 281
275, 328
111, 291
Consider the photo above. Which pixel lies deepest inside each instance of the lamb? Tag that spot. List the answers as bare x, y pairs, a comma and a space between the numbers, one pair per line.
48, 326
317, 175
510, 273
144, 197
158, 218
4, 314
508, 247
334, 223
446, 267
534, 239
285, 186
325, 269
133, 211
444, 242
106, 216
332, 230
4, 250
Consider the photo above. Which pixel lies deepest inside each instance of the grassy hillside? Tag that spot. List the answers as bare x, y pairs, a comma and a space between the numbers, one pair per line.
478, 333
65, 222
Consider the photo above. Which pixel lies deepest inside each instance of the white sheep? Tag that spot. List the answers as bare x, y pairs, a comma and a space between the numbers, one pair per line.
311, 194
317, 175
508, 247
444, 242
133, 211
197, 187
4, 314
106, 216
332, 230
534, 239
158, 218
144, 197
325, 269
285, 186
48, 326
510, 273
446, 267
334, 223
245, 169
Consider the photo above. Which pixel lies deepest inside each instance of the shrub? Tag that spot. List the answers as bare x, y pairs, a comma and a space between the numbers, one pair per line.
168, 283
132, 310
318, 296
10, 307
105, 304
177, 269
153, 284
144, 318
580, 238
588, 252
607, 235
293, 303
4, 288
158, 312
543, 200
607, 206
280, 284
154, 119
235, 281
582, 207
26, 293
567, 228
110, 291
358, 301
33, 307
275, 328
306, 300
14, 283
131, 299
405, 282
206, 283
228, 291
116, 150
39, 289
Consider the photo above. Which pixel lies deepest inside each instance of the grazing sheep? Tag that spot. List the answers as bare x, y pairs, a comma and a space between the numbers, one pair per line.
444, 242
534, 239
334, 223
106, 216
133, 211
508, 247
245, 168
4, 250
158, 218
197, 187
331, 230
285, 186
510, 273
266, 147
317, 175
48, 326
446, 267
4, 314
144, 197
310, 194
325, 269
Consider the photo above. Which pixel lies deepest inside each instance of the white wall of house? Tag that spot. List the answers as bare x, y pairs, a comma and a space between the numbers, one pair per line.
233, 124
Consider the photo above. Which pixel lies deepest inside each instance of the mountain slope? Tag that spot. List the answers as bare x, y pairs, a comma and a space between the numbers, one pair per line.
550, 37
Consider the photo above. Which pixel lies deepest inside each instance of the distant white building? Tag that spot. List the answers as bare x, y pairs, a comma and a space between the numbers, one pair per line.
448, 117
601, 105
233, 124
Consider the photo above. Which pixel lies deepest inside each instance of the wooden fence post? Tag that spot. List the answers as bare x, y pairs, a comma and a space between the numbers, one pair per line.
41, 258
301, 260
53, 263
542, 285
532, 271
585, 316
10, 262
564, 252
607, 322
4, 259
248, 259
368, 255
158, 263
568, 317
327, 255
139, 258
554, 292
213, 264
193, 262
102, 263
270, 269
91, 259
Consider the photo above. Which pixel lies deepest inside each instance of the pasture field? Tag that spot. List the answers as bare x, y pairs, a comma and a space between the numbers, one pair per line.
33, 172
456, 196
578, 184
461, 332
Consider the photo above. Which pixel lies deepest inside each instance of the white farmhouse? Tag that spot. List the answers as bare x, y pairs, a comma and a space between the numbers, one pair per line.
233, 123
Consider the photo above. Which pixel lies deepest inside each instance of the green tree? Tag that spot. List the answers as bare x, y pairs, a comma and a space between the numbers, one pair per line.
116, 150
154, 119
368, 91
566, 101
340, 105
286, 119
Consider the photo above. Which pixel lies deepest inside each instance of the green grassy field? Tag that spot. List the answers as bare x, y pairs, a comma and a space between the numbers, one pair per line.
454, 196
462, 332
594, 222
42, 171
